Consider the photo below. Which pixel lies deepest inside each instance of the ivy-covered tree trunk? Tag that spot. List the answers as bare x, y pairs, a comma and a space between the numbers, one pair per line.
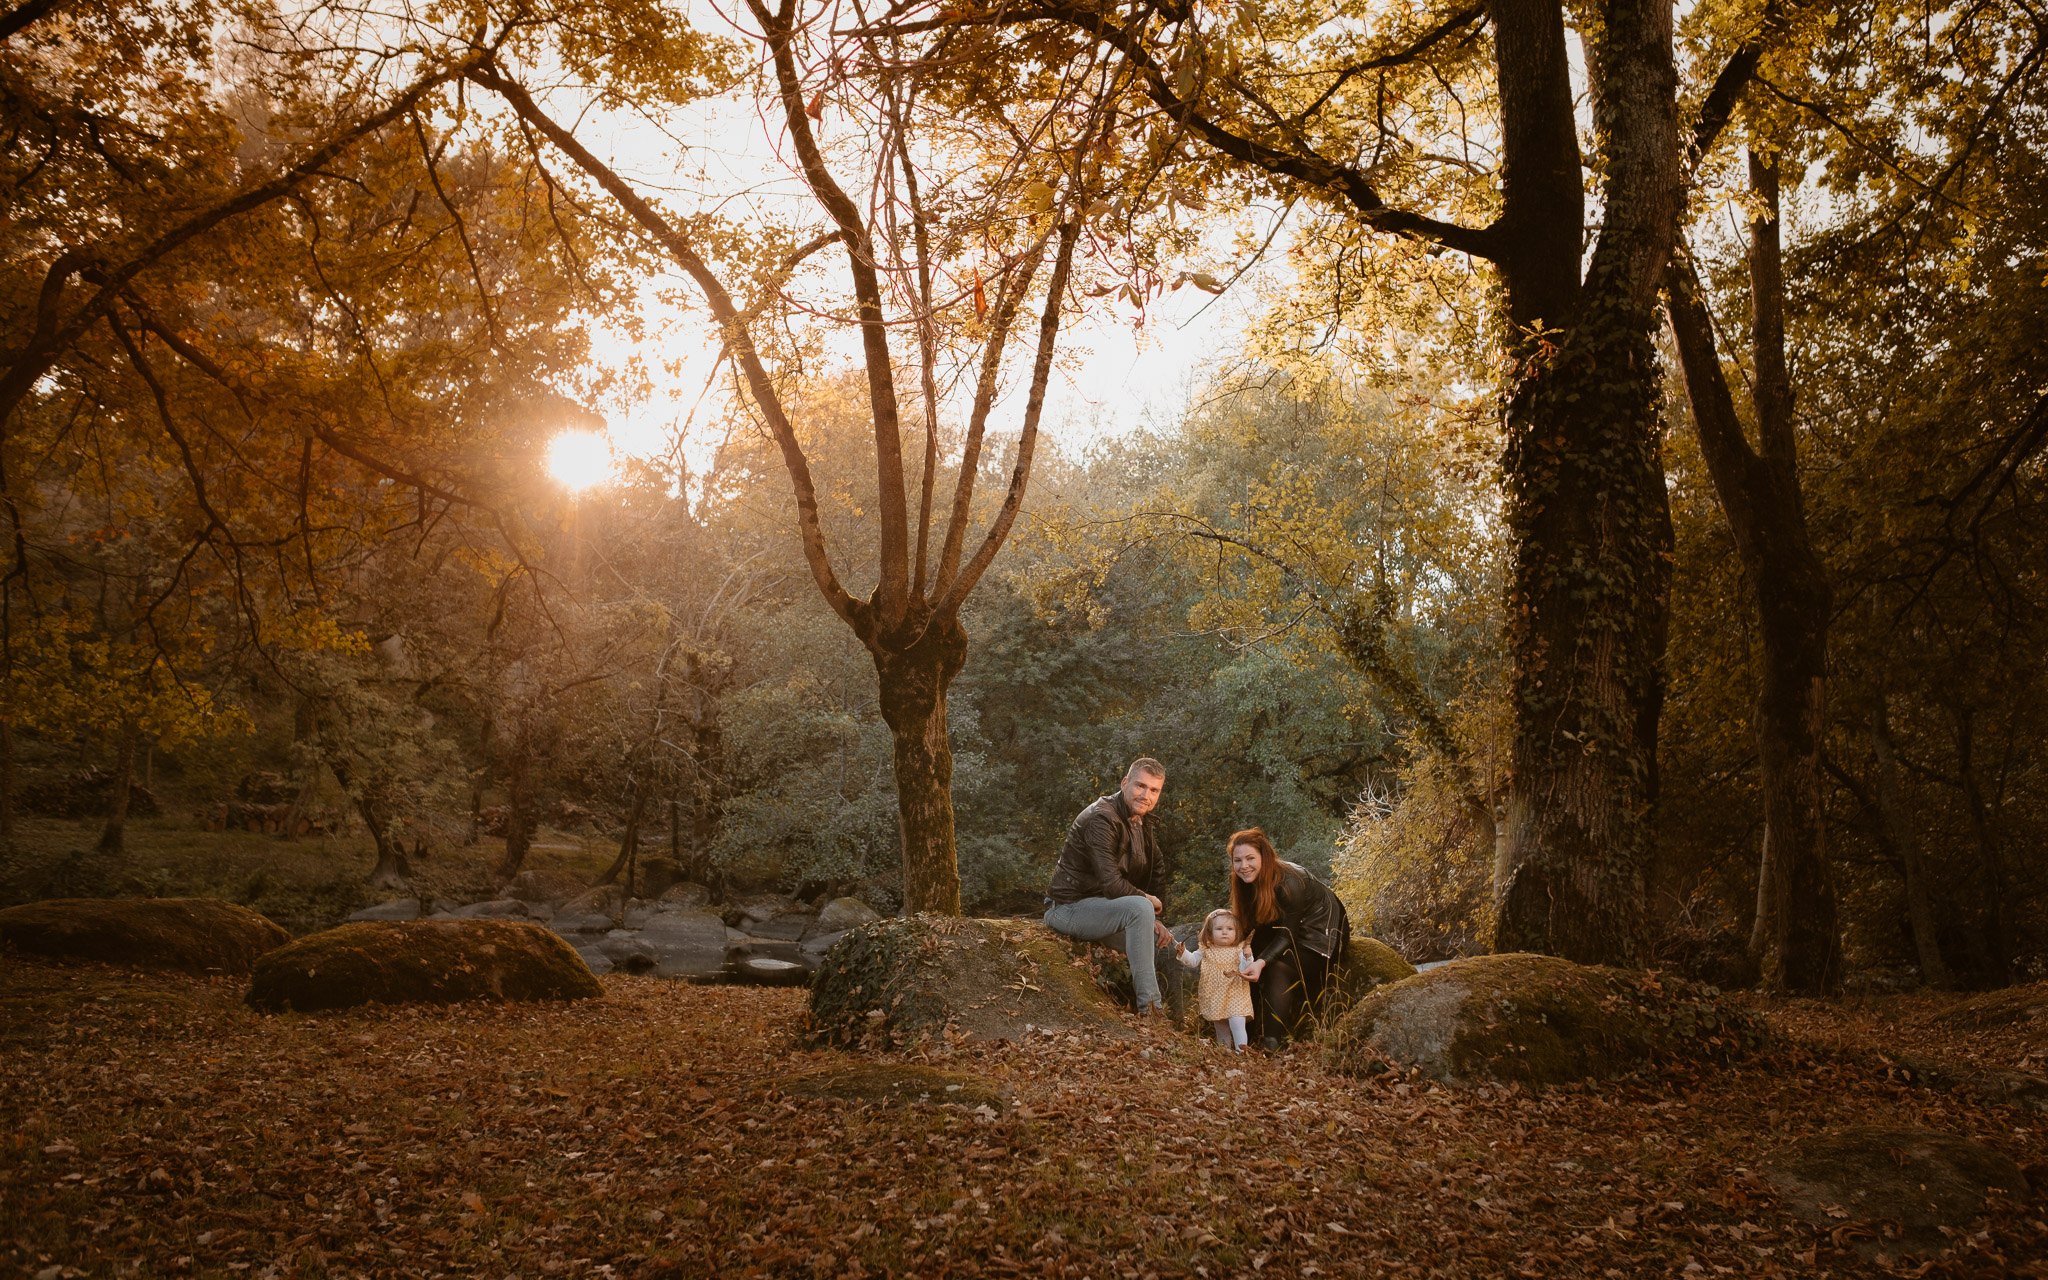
1583, 469
1588, 608
913, 683
112, 836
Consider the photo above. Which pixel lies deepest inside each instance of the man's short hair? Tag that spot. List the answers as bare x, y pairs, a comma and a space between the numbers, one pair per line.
1147, 766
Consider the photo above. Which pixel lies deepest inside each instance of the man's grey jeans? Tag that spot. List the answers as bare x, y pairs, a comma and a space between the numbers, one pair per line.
1125, 922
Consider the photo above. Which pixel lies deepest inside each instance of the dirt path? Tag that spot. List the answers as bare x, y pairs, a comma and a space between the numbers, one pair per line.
156, 1128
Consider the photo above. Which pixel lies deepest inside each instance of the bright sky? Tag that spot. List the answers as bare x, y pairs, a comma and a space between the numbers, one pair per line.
1116, 376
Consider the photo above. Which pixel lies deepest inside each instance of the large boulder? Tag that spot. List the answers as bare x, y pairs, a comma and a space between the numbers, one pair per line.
192, 935
592, 911
1915, 1180
421, 962
987, 979
1539, 1020
841, 914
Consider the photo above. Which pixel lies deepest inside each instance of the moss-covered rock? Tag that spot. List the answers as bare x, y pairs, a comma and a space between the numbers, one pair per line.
191, 935
985, 979
421, 962
888, 1085
2021, 1005
1920, 1180
1539, 1020
1368, 965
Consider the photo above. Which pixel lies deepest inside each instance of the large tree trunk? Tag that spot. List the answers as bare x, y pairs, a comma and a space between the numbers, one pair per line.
518, 805
1760, 494
112, 836
913, 694
1898, 833
1584, 475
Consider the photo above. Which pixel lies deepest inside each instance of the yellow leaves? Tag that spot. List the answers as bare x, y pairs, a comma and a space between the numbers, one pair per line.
1038, 196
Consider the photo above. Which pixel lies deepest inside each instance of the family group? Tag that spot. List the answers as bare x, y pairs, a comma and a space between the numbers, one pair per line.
1264, 959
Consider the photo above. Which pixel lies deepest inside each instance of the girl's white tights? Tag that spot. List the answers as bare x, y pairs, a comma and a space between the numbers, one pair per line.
1229, 1032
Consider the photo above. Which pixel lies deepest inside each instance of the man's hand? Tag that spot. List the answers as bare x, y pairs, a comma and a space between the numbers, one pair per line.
1165, 937
1157, 905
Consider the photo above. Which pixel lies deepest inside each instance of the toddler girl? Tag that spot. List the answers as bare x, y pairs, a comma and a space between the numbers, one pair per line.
1225, 960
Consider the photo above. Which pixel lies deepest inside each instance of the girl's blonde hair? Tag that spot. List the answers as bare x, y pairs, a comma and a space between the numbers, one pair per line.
1209, 924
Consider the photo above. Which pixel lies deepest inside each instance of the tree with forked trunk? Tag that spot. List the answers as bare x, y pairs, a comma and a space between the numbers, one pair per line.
1795, 940
897, 250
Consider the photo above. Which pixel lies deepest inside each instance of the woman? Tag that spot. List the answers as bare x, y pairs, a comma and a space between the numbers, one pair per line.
1299, 932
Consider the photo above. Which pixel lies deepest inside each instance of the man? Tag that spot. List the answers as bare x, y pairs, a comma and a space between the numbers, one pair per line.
1102, 888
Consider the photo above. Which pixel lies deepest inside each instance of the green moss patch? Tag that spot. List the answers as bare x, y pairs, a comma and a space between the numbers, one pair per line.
888, 1085
421, 962
1538, 1020
980, 979
189, 935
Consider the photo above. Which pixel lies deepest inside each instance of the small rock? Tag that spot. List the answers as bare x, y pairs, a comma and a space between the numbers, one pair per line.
566, 921
498, 909
1922, 1179
396, 909
687, 894
599, 900
842, 914
597, 960
627, 951
815, 944
789, 926
768, 972
639, 912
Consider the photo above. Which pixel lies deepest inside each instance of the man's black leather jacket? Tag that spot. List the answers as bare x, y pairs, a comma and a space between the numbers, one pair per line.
1095, 861
1311, 914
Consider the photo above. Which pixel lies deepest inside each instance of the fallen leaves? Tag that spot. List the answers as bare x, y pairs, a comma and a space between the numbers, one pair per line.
640, 1135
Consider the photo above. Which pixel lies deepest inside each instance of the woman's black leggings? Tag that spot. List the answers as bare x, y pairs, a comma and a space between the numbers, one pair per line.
1288, 988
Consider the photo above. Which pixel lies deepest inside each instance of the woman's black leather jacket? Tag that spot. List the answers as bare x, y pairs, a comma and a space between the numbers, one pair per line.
1311, 915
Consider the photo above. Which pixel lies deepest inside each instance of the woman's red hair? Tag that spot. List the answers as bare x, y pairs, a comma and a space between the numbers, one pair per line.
1254, 903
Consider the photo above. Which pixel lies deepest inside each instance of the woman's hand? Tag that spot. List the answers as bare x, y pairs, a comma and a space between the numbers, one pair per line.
1253, 970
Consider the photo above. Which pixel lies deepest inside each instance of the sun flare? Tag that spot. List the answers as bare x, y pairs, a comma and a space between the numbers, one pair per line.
580, 459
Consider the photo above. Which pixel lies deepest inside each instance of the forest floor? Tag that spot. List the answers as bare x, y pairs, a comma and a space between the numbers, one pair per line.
153, 1126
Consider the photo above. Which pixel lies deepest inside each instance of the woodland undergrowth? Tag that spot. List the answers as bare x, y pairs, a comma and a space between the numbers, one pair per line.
153, 1126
